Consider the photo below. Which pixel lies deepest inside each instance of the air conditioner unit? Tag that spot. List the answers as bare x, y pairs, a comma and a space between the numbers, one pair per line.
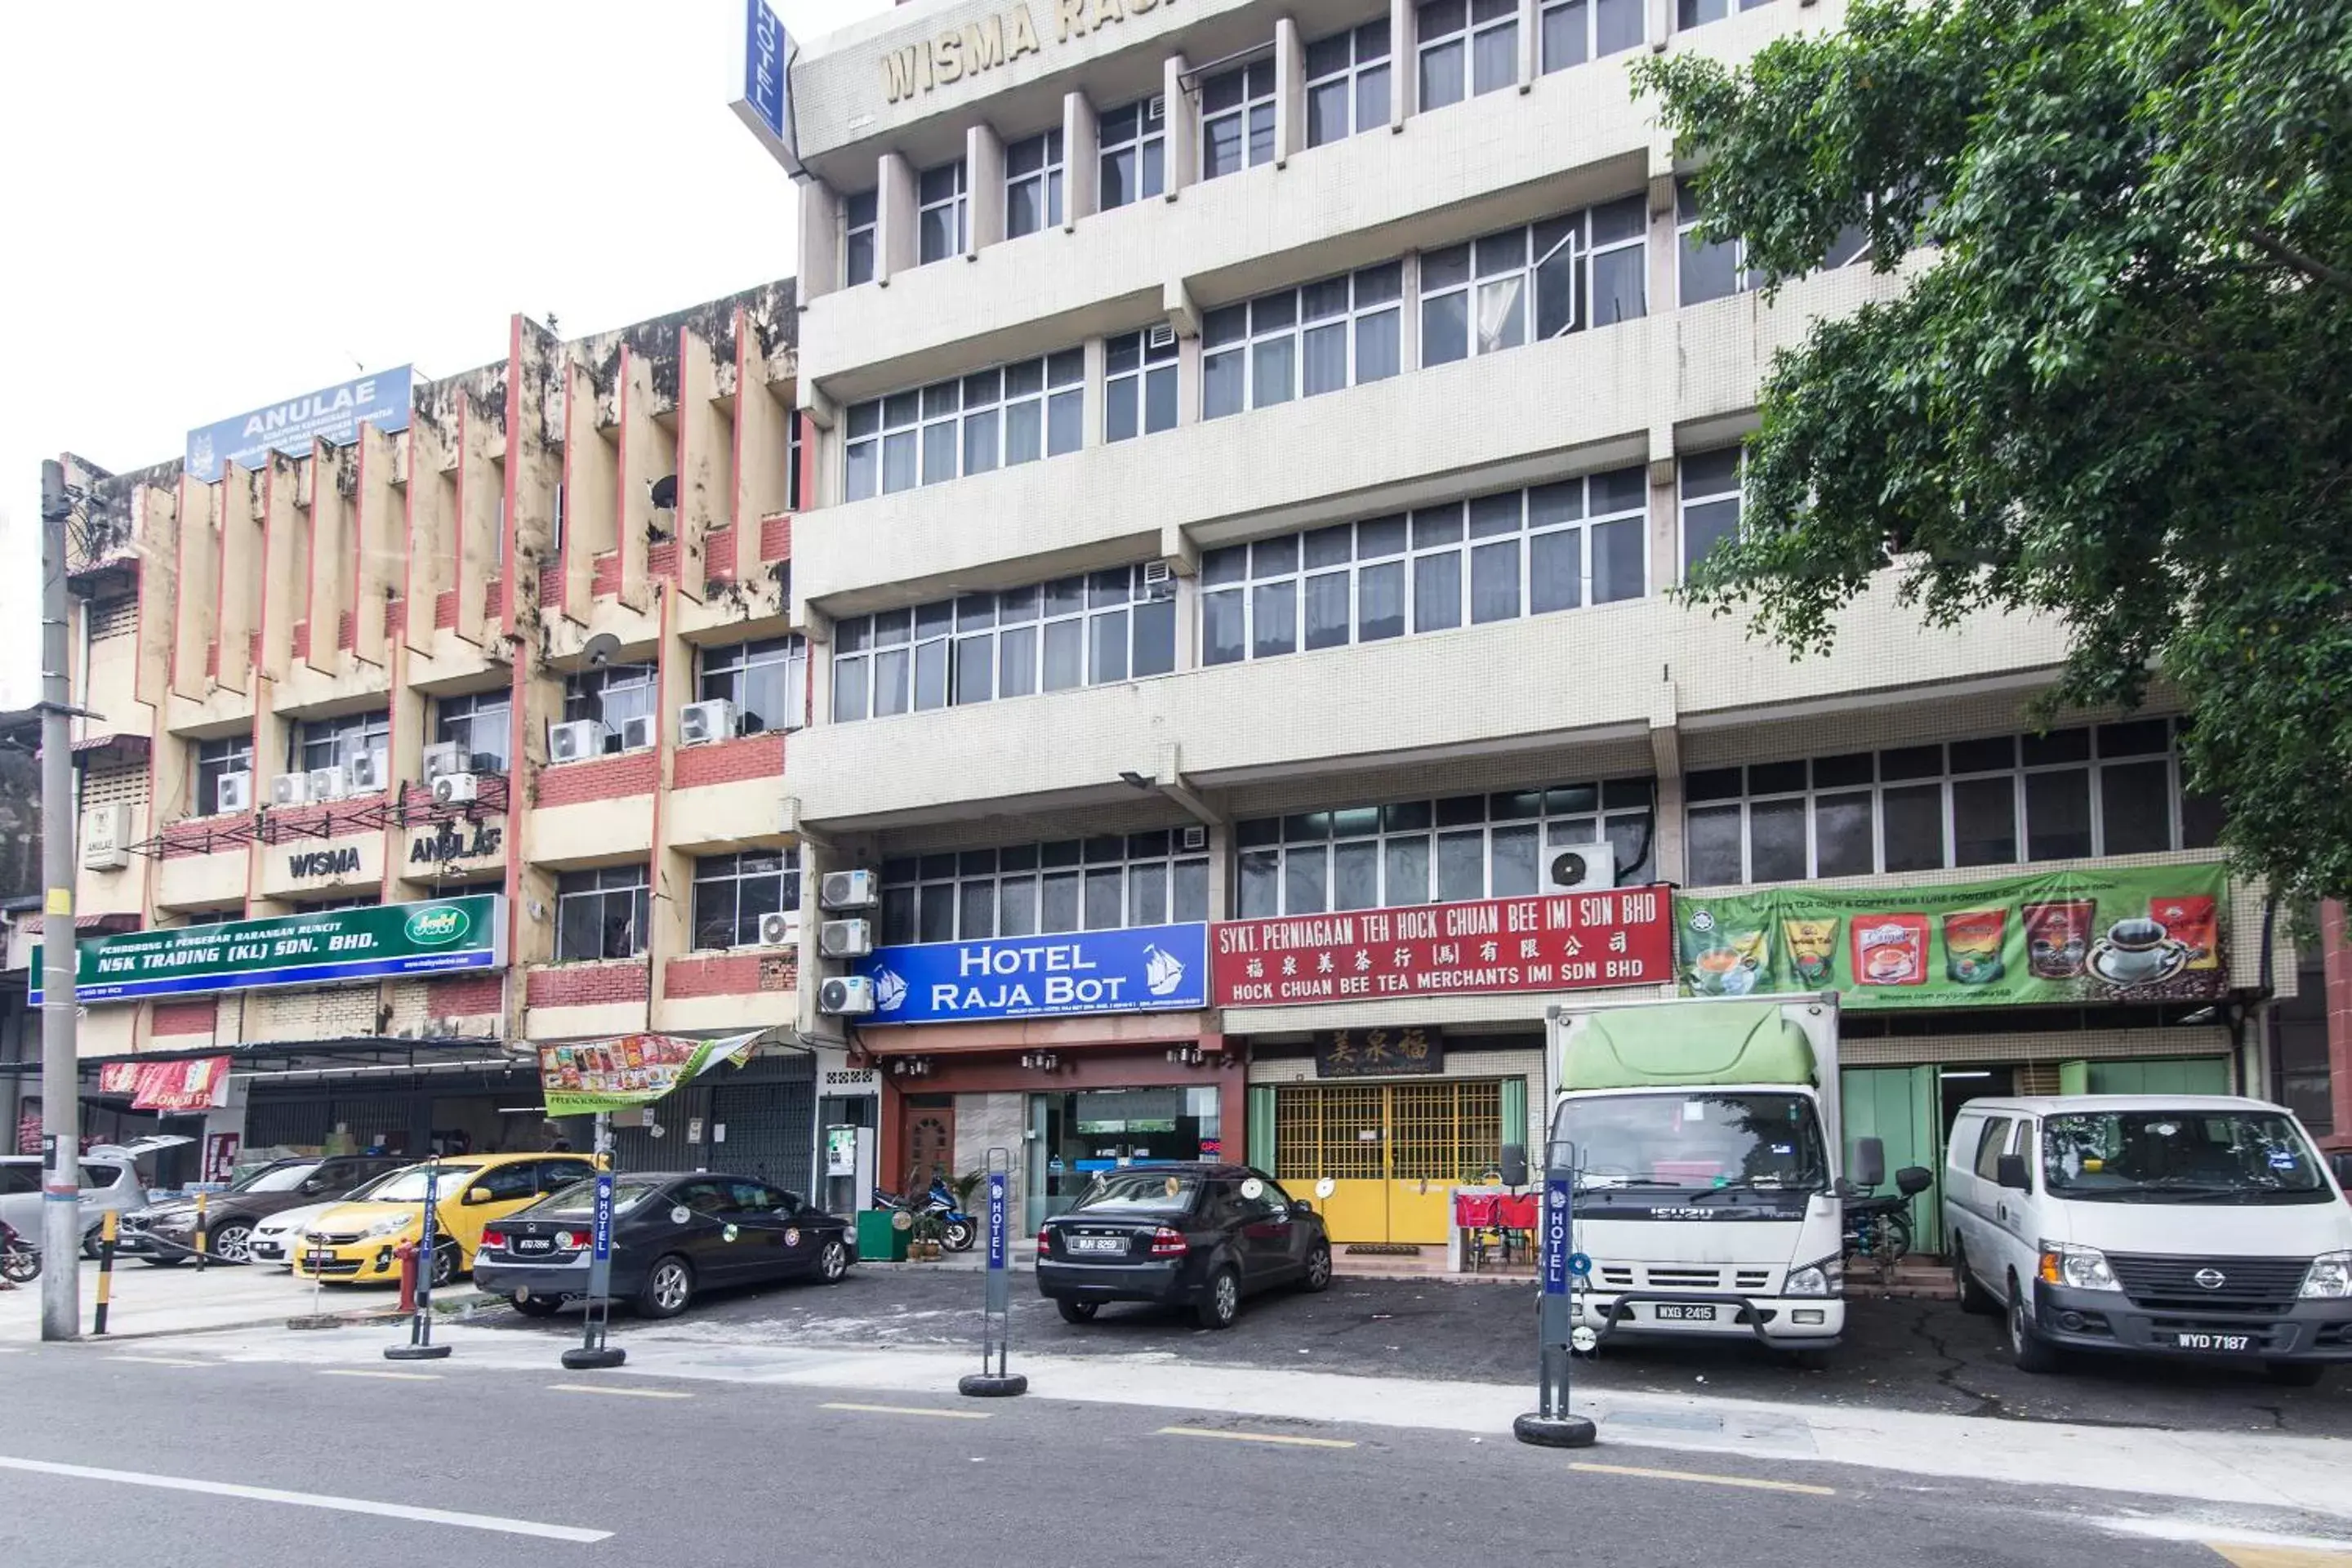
484, 762
846, 996
445, 758
370, 770
456, 789
849, 891
105, 837
289, 789
576, 742
845, 938
233, 792
700, 723
1581, 868
1195, 838
779, 928
328, 783
638, 733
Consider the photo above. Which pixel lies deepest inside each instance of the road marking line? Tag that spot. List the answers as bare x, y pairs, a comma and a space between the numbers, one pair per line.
311, 1500
1254, 1437
2277, 1556
158, 1361
1750, 1482
402, 1376
911, 1410
624, 1393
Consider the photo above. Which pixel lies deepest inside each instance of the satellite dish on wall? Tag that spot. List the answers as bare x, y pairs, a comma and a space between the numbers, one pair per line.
599, 650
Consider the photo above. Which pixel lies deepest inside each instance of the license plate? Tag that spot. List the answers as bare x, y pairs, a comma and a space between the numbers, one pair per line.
2196, 1341
532, 1244
1682, 1312
1097, 1244
317, 1259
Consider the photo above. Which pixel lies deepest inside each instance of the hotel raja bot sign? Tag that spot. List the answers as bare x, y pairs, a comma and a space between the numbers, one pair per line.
1551, 941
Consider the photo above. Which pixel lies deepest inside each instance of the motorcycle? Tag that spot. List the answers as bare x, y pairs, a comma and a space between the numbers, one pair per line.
958, 1230
20, 1261
1878, 1229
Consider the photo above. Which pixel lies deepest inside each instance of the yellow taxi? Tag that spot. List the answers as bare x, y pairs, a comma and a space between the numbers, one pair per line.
357, 1244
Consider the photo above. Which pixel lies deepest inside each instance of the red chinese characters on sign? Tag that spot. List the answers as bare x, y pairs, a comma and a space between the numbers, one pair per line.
1556, 941
194, 1083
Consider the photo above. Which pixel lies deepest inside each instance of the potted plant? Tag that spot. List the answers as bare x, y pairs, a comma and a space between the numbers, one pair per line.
923, 1244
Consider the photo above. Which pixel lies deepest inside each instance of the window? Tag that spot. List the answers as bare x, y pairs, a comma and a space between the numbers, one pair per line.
1441, 851
1494, 558
610, 694
230, 754
1103, 883
1237, 119
479, 726
732, 891
1992, 1144
988, 419
1348, 83
1138, 383
1575, 31
506, 1183
1134, 152
793, 454
1092, 630
2112, 789
858, 227
600, 914
767, 681
1301, 341
1032, 184
1698, 13
1468, 48
939, 213
1706, 270
1524, 284
1710, 503
334, 742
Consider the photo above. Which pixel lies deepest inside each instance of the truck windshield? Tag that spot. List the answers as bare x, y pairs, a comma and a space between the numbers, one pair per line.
2181, 1156
1687, 1140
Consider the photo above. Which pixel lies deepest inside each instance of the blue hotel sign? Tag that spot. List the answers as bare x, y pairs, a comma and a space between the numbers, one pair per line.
1144, 969
763, 83
332, 413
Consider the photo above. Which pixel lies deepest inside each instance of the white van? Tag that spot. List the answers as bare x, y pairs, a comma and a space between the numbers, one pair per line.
2196, 1226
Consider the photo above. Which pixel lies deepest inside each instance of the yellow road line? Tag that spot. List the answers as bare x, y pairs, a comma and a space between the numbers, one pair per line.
399, 1376
1750, 1482
1254, 1437
158, 1361
624, 1393
911, 1410
2276, 1556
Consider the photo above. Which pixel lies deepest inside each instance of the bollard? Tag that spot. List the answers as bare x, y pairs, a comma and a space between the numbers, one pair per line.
106, 1229
202, 1253
993, 1380
420, 1345
593, 1354
1551, 1425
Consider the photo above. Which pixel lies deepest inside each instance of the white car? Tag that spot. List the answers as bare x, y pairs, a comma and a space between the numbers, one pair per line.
276, 1239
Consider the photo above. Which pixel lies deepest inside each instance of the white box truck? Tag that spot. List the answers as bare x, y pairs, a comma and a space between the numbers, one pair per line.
1705, 1132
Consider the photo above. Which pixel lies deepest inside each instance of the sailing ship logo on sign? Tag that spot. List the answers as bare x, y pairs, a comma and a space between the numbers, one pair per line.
1161, 973
889, 990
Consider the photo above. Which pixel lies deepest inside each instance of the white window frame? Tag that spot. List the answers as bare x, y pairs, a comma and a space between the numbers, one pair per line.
222, 754
715, 871
469, 709
912, 882
1686, 498
954, 203
1156, 353
1253, 111
1688, 244
1587, 22
1689, 14
1360, 68
945, 419
861, 213
597, 886
1045, 178
1366, 304
1481, 20
731, 664
346, 737
1148, 137
585, 692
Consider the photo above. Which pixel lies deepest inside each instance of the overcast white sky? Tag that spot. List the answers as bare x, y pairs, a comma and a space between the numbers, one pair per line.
209, 207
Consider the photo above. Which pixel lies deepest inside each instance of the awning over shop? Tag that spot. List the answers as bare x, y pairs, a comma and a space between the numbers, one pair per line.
295, 1061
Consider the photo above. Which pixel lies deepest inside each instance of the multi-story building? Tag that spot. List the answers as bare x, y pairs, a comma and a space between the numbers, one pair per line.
1254, 447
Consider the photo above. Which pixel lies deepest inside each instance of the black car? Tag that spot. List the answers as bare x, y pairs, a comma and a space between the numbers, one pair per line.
1197, 1235
675, 1234
164, 1234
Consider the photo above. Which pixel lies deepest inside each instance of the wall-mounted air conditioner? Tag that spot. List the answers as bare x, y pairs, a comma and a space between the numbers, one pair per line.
233, 792
448, 757
576, 742
849, 891
845, 938
456, 789
846, 996
779, 928
369, 772
638, 733
289, 789
700, 723
328, 783
1581, 868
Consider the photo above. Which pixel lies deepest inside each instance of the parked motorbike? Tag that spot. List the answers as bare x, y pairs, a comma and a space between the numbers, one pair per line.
958, 1230
1878, 1227
20, 1261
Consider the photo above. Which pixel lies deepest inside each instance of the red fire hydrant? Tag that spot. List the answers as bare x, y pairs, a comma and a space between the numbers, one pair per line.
407, 1253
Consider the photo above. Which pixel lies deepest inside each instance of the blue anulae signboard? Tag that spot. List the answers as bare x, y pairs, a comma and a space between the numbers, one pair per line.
1144, 969
334, 413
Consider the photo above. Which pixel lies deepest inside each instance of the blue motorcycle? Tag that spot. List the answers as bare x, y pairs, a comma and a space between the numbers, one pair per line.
958, 1230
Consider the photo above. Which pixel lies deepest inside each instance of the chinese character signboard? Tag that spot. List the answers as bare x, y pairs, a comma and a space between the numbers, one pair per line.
1554, 942
1143, 968
1378, 1052
184, 1084
2142, 933
593, 1076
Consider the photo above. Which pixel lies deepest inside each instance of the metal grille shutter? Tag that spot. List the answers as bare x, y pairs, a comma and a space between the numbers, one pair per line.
295, 1124
769, 1109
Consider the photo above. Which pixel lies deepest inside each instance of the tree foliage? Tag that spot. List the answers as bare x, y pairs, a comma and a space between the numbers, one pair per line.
2118, 391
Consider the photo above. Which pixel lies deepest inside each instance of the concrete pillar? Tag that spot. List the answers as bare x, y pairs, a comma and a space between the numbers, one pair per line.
819, 240
1182, 152
1530, 43
983, 189
1660, 19
1289, 92
1081, 160
894, 236
1405, 68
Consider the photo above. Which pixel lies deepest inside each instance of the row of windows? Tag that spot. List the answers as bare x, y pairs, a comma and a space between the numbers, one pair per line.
989, 419
601, 913
1103, 883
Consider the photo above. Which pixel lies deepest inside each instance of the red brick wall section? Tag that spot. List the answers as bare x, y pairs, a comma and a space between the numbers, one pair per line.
776, 538
395, 616
752, 757
2335, 950
585, 984
186, 1017
212, 658
661, 560
601, 778
416, 800
551, 584
302, 639
445, 610
732, 974
606, 577
718, 556
206, 837
347, 631
463, 997
252, 649
490, 592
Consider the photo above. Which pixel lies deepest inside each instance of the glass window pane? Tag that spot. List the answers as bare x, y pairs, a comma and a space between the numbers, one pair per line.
1406, 864
1618, 289
1380, 602
1776, 841
1106, 896
1707, 524
1326, 609
1016, 661
1617, 25
1984, 822
1223, 639
1555, 567
1376, 346
1059, 907
1713, 851
935, 912
1461, 866
2058, 815
1617, 566
1841, 836
1436, 592
1494, 582
932, 675
1222, 383
1109, 656
1160, 399
1191, 900
975, 672
1064, 656
1325, 366
1025, 425
1445, 328
1272, 366
1261, 883
1016, 906
977, 916
1516, 852
2135, 801
890, 667
1155, 639
1495, 62
1708, 271
1274, 616
1355, 875
1441, 76
1563, 37
848, 689
1305, 891
1914, 817
1147, 895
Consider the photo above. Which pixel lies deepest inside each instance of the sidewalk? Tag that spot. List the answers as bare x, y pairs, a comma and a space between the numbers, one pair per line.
181, 1300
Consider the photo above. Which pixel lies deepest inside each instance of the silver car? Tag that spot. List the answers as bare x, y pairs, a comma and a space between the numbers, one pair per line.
110, 1180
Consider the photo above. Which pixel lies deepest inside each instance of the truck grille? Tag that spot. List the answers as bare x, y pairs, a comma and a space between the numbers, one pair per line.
1675, 1276
2245, 1284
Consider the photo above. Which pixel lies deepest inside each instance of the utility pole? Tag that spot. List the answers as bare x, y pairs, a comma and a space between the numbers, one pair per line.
61, 1060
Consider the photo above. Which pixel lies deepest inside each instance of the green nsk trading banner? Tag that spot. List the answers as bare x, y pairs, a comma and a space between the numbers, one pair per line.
2151, 933
325, 948
592, 1076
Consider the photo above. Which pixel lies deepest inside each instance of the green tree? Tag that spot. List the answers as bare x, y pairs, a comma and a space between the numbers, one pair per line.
2117, 390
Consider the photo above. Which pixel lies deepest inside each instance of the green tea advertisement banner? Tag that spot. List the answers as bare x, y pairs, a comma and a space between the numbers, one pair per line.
589, 1077
2142, 934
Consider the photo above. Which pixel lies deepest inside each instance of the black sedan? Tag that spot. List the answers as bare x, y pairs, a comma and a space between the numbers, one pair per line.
1197, 1235
675, 1234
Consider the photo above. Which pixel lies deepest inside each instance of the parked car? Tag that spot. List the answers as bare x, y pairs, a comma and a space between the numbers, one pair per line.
356, 1243
1192, 1235
2202, 1226
164, 1234
276, 1239
110, 1180
675, 1234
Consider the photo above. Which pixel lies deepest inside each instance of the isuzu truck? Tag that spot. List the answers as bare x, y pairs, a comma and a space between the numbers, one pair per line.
1704, 1135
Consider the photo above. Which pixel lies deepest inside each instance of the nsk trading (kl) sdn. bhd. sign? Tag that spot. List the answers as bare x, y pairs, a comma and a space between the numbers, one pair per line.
327, 947
332, 413
1144, 969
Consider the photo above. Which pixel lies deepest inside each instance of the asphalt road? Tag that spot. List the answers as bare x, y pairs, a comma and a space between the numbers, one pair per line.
718, 1473
1922, 1356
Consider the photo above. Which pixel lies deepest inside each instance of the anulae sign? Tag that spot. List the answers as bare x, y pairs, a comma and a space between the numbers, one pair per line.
323, 949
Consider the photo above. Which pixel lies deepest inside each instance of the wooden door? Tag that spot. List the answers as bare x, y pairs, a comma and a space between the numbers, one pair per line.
930, 1147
